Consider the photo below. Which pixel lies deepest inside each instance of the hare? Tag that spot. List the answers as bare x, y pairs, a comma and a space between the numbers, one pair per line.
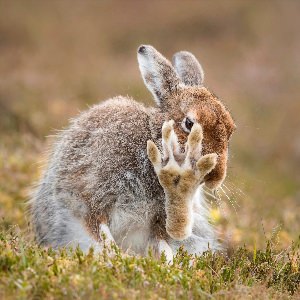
134, 175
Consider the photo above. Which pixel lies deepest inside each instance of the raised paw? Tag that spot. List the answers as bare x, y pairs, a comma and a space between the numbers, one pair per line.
180, 177
186, 175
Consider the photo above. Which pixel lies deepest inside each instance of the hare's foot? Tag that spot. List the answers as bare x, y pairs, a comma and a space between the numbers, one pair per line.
87, 237
159, 247
105, 234
164, 248
180, 179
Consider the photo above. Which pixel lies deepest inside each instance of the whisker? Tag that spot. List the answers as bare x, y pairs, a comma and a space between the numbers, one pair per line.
229, 199
211, 195
232, 194
238, 190
218, 199
227, 188
217, 192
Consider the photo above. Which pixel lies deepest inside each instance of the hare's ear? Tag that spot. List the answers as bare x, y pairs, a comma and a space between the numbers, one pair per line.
158, 73
188, 68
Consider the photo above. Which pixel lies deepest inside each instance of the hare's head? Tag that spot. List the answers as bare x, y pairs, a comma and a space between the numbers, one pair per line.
181, 96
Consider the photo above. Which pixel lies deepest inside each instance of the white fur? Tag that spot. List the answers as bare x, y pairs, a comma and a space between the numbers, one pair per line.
79, 236
147, 65
163, 247
106, 231
131, 233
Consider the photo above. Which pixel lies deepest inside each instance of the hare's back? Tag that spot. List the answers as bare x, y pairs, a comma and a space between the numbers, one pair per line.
103, 153
117, 132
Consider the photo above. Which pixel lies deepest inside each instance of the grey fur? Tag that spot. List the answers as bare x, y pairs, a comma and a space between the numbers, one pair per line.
99, 170
188, 68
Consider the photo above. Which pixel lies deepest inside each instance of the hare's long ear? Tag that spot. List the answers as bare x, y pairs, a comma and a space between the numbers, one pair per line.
188, 68
158, 73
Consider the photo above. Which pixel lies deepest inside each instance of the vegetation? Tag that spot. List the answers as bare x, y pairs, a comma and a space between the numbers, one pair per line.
57, 57
30, 272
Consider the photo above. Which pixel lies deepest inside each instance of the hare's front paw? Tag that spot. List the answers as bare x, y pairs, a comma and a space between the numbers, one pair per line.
180, 179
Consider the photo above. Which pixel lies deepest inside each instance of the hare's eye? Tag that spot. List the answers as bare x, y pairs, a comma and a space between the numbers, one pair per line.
187, 124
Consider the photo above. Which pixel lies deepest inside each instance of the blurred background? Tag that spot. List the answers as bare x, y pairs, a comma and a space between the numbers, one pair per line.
59, 57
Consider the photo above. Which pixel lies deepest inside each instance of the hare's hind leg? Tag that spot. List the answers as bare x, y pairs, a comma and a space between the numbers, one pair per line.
99, 240
105, 236
79, 233
81, 237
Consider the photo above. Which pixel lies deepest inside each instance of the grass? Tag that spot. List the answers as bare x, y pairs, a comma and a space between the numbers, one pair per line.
30, 272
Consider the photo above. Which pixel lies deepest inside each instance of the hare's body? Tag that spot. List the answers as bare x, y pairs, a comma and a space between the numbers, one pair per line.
106, 175
98, 172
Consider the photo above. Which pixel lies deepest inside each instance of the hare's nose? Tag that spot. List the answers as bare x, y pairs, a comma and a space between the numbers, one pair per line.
142, 49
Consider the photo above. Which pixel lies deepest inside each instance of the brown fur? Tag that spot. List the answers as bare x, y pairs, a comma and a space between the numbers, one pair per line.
215, 120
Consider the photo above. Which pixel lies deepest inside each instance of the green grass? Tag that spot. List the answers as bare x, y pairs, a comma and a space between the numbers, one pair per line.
30, 272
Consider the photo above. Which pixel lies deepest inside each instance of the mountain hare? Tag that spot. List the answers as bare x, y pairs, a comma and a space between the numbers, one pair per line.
135, 173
